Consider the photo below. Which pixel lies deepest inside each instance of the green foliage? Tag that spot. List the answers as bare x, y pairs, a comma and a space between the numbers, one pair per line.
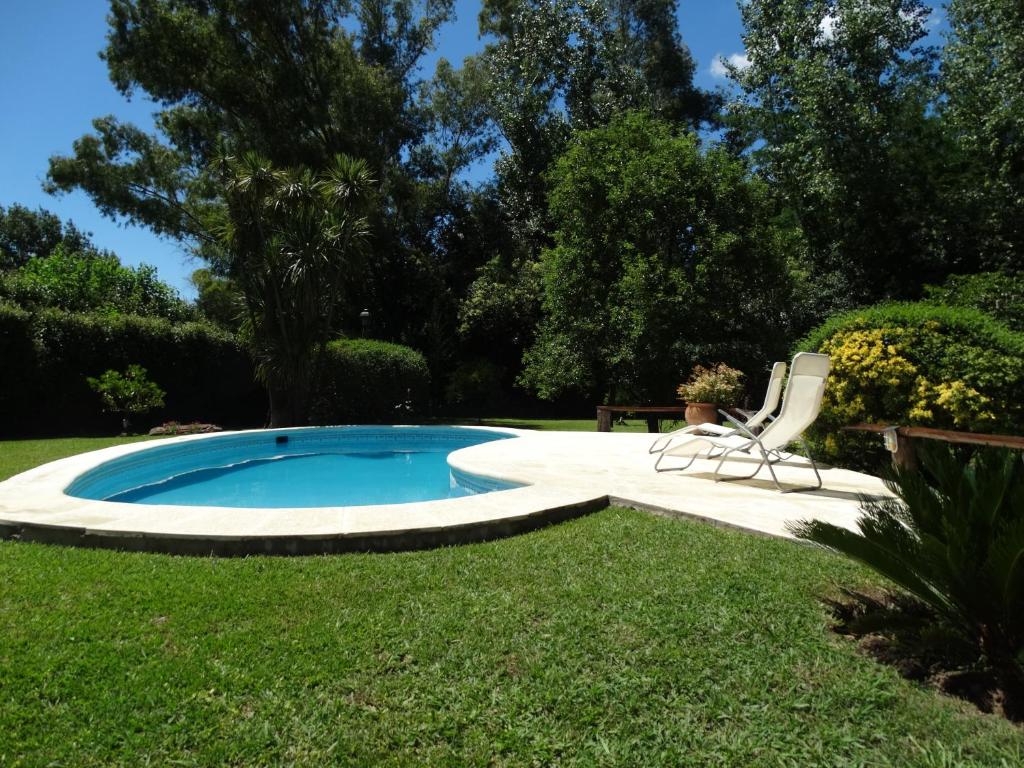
296, 240
835, 110
953, 538
129, 392
27, 234
218, 299
983, 112
476, 386
664, 257
998, 294
87, 281
918, 364
367, 382
48, 355
719, 384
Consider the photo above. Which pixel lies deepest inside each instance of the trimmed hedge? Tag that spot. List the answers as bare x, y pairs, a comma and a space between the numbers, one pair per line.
916, 364
368, 382
48, 355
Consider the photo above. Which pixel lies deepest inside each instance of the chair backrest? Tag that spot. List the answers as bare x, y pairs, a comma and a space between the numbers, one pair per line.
771, 397
800, 406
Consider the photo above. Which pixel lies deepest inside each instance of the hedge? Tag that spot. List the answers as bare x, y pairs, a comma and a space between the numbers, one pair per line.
48, 355
366, 382
917, 364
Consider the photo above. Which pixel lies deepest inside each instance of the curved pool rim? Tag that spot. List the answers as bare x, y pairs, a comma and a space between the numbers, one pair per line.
266, 461
35, 507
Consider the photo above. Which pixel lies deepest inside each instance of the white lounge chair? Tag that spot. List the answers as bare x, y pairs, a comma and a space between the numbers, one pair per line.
771, 402
800, 408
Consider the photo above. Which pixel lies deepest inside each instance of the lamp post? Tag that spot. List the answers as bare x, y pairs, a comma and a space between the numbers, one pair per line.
364, 318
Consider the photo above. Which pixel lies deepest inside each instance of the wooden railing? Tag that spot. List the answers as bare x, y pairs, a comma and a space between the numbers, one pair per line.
901, 441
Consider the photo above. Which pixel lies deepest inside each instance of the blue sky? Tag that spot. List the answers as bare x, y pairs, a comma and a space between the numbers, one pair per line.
52, 84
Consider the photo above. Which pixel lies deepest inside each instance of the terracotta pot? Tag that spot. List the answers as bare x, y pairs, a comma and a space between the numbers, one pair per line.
701, 413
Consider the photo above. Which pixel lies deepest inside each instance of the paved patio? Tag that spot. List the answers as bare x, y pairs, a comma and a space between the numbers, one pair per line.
567, 474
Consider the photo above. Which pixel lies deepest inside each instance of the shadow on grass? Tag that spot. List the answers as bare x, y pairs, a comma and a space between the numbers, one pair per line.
897, 630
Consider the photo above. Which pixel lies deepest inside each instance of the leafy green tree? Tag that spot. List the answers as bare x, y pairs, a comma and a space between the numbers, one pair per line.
25, 234
953, 537
664, 257
835, 109
218, 299
127, 394
557, 66
90, 281
983, 110
296, 240
298, 82
1000, 294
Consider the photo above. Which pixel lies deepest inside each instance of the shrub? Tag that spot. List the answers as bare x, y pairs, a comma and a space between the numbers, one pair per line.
916, 364
953, 538
88, 281
720, 385
365, 381
998, 294
49, 355
127, 393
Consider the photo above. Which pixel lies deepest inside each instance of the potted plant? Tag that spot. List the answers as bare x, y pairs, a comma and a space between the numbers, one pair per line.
708, 390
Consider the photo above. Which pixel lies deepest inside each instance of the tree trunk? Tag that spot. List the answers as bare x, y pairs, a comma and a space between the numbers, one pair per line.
289, 406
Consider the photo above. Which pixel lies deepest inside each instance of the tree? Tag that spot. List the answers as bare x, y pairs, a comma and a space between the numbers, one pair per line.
218, 299
90, 281
296, 240
296, 81
558, 66
983, 110
664, 256
25, 234
835, 110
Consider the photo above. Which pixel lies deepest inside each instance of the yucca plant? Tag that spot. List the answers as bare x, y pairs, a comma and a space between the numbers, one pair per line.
953, 538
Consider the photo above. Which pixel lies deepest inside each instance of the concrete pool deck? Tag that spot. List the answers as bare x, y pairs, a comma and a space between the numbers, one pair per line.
567, 474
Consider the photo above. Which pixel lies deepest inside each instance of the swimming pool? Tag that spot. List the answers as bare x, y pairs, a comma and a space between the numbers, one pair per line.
318, 467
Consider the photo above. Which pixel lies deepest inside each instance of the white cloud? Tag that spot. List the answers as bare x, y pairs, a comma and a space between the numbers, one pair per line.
738, 60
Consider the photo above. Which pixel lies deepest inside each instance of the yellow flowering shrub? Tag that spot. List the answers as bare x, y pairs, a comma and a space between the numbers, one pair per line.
916, 364
873, 375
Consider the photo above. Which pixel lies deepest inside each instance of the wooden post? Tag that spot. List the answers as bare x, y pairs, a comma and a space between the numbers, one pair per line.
604, 420
905, 455
652, 424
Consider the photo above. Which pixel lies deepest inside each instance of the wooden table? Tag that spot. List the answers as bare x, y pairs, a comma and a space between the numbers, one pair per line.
905, 454
651, 412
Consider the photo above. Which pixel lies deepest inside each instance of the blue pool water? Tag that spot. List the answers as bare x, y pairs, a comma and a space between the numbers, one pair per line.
322, 467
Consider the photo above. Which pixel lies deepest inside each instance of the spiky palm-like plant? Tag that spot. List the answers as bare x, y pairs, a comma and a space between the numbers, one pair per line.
954, 538
294, 239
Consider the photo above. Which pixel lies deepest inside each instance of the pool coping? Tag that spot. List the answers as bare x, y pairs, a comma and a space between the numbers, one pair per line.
564, 474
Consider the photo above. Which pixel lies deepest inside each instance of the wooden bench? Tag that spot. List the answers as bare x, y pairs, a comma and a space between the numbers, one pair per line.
651, 412
905, 454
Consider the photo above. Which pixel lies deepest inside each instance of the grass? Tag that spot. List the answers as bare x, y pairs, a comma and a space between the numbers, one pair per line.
564, 425
617, 639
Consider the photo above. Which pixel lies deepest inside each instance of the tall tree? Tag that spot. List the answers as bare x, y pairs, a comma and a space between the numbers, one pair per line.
296, 239
835, 108
27, 234
664, 256
983, 108
558, 66
296, 81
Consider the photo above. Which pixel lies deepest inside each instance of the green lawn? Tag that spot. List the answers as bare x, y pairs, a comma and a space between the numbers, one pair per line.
617, 639
565, 425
